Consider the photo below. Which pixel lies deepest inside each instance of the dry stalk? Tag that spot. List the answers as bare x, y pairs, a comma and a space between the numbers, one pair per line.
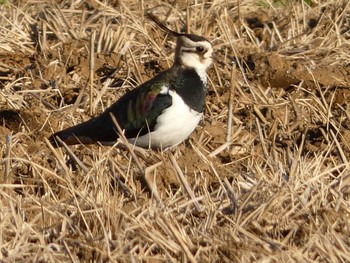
184, 183
138, 73
231, 209
8, 157
230, 102
72, 155
91, 70
150, 185
176, 234
57, 156
152, 182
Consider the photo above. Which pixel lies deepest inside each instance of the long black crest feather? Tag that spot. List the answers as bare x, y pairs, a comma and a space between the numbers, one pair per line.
162, 26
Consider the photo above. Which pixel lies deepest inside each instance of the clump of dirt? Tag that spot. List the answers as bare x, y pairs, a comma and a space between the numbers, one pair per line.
278, 71
10, 119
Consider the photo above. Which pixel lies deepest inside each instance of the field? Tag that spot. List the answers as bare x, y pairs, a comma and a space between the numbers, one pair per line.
265, 177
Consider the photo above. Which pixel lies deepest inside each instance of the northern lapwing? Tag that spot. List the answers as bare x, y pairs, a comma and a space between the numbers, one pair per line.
161, 112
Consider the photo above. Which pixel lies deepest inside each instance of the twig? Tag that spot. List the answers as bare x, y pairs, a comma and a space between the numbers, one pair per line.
188, 17
69, 252
43, 38
219, 149
43, 101
150, 180
230, 103
226, 144
339, 147
121, 184
259, 114
138, 73
239, 17
91, 69
184, 182
72, 155
63, 165
7, 156
230, 209
177, 236
262, 139
138, 164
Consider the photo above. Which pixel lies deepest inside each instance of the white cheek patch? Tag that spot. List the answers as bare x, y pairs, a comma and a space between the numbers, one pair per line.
193, 60
190, 59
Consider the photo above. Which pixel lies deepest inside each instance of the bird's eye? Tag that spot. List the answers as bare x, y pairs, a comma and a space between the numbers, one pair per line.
200, 49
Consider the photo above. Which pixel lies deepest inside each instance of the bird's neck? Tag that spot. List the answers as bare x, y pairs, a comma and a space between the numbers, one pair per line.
188, 84
201, 71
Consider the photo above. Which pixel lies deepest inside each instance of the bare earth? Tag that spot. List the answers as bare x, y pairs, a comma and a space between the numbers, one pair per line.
265, 177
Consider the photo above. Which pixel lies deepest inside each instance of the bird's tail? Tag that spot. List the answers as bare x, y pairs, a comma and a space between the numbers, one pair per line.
78, 134
91, 131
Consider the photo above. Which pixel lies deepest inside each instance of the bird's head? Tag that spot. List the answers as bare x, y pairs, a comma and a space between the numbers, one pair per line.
193, 51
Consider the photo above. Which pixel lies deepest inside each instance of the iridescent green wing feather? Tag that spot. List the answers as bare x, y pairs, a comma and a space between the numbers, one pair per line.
138, 110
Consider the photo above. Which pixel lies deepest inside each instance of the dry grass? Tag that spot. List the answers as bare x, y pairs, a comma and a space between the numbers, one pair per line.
264, 178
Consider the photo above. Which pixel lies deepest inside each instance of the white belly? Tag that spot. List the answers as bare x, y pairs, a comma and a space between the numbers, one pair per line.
174, 126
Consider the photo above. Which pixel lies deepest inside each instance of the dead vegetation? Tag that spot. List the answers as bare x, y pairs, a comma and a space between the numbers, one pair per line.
264, 178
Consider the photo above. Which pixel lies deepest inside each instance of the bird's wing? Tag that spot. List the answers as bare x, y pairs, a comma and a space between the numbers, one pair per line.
136, 113
138, 110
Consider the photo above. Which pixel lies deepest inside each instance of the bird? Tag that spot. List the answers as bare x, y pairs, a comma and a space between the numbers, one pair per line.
160, 113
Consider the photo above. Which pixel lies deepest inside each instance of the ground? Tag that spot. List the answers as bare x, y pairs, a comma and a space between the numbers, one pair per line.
264, 177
